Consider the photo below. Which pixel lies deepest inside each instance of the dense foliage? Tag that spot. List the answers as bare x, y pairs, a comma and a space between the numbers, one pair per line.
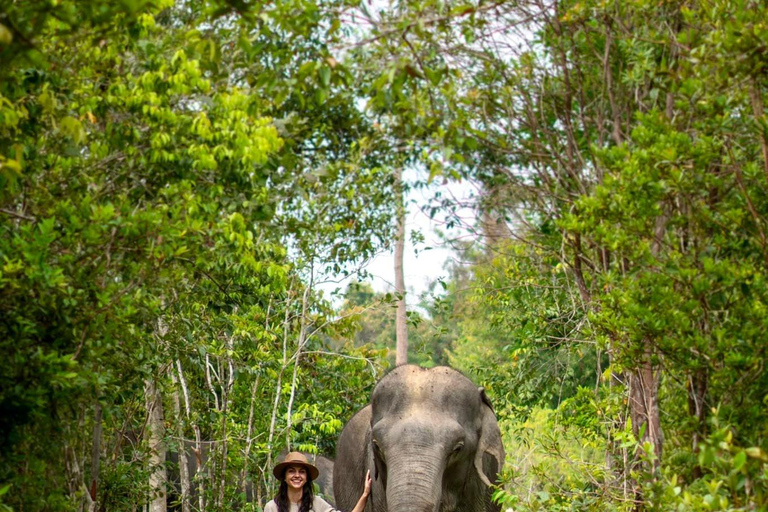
622, 152
163, 167
177, 178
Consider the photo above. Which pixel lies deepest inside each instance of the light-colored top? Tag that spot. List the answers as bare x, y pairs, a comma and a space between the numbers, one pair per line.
318, 505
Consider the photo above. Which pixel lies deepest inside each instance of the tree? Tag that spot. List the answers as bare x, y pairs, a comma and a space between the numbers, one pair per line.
401, 326
617, 135
141, 181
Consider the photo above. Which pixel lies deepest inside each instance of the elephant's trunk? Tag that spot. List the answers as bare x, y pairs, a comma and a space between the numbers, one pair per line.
415, 482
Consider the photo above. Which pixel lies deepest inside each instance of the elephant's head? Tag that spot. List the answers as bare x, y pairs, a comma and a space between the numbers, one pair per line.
436, 444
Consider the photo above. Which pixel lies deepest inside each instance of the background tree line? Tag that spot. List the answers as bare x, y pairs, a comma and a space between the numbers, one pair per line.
178, 177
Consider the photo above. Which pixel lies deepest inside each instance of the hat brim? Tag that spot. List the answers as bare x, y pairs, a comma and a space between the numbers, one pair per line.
279, 470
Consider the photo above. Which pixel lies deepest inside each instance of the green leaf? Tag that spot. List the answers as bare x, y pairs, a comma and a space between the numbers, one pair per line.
756, 453
6, 36
73, 128
325, 76
739, 460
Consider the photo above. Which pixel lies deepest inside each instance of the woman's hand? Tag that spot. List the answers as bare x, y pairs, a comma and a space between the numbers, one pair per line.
368, 481
364, 497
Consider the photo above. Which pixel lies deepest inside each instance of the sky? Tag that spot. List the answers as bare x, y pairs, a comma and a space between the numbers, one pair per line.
426, 261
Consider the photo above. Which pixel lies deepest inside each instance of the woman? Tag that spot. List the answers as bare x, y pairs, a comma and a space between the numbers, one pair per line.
295, 474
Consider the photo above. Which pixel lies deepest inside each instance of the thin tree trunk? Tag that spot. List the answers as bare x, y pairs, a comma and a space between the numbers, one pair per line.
297, 357
698, 382
95, 455
249, 438
249, 433
225, 400
156, 431
223, 446
290, 400
213, 445
401, 318
75, 480
644, 379
90, 504
278, 387
644, 405
209, 381
198, 450
84, 448
186, 484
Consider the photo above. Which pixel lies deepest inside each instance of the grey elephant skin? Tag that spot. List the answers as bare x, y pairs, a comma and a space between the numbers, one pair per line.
431, 441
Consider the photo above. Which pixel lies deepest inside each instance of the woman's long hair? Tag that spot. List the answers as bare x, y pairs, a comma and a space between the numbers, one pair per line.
307, 496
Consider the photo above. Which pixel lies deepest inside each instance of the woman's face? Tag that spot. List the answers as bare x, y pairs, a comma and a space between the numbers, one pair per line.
296, 477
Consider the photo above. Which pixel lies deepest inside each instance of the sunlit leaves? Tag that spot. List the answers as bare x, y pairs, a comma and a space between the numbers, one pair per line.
148, 197
624, 146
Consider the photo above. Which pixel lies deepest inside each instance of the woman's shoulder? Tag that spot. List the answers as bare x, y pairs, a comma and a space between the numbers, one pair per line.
271, 506
319, 505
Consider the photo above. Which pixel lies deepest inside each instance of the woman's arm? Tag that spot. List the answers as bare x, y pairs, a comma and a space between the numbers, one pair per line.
364, 497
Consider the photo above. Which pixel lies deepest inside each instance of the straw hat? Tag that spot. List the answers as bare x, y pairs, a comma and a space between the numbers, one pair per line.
295, 459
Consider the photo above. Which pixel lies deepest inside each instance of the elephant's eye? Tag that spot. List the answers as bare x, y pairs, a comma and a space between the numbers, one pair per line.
377, 451
459, 446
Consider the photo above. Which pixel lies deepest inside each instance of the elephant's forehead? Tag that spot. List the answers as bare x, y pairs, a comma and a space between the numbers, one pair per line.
416, 388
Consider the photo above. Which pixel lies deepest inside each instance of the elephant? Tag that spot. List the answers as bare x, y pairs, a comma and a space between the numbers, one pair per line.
430, 440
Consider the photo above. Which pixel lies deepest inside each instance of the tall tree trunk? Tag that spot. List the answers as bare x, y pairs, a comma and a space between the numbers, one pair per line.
186, 483
289, 412
297, 356
156, 431
198, 476
698, 382
95, 455
212, 461
278, 388
644, 379
226, 397
644, 404
249, 441
222, 470
249, 433
75, 478
401, 318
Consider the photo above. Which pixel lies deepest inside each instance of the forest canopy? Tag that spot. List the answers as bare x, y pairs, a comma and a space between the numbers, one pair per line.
181, 180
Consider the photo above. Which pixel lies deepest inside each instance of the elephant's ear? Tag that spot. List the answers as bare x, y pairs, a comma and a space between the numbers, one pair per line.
490, 451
